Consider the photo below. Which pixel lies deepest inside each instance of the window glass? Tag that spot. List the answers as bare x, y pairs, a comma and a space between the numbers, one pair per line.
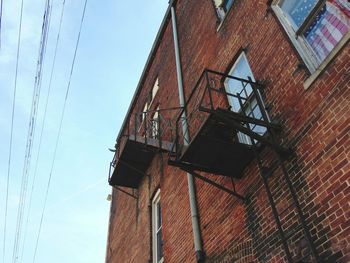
247, 103
322, 30
328, 27
241, 70
144, 111
228, 4
222, 7
297, 10
157, 229
159, 234
155, 89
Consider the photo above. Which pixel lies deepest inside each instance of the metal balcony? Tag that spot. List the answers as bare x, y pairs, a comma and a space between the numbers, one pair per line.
146, 134
221, 126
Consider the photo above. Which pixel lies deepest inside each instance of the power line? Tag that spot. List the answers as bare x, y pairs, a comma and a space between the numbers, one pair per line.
59, 131
11, 133
42, 127
31, 128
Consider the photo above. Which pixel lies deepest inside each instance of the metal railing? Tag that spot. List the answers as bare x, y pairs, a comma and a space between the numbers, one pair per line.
155, 128
215, 90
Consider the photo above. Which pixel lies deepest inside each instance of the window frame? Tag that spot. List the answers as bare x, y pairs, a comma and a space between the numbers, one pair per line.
222, 10
307, 54
156, 228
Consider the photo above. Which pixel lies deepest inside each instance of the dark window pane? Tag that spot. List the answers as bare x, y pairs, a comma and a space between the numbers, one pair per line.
159, 245
228, 4
159, 216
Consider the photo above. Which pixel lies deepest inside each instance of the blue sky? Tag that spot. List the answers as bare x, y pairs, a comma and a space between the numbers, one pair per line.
115, 42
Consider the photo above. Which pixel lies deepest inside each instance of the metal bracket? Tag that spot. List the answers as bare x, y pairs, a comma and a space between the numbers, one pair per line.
236, 125
125, 192
206, 180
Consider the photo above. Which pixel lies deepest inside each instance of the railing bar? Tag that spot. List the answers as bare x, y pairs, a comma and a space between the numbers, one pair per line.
195, 87
261, 106
164, 109
209, 93
232, 77
135, 128
125, 192
247, 125
145, 131
227, 93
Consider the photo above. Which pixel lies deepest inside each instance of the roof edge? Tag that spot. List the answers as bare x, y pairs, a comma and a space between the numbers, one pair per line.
148, 64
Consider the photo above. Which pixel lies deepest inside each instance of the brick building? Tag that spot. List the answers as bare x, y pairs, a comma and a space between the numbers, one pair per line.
235, 147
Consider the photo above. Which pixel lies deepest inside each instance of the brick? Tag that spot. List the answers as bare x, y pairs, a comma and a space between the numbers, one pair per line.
315, 123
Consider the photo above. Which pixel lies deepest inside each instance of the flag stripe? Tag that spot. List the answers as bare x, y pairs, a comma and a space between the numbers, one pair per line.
329, 27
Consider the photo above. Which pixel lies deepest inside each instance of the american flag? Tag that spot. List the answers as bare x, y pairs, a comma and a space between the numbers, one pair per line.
329, 27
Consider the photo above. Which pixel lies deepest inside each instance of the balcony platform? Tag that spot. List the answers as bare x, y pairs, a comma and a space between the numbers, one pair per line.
134, 160
215, 149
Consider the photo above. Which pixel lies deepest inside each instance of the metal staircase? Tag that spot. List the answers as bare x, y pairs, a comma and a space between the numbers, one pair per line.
218, 131
307, 250
221, 141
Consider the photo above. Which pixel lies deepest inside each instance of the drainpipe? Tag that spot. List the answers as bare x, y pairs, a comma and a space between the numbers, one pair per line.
190, 179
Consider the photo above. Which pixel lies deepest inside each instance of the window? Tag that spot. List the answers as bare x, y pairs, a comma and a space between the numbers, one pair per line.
152, 93
144, 112
155, 124
222, 7
315, 27
157, 229
155, 89
141, 117
248, 104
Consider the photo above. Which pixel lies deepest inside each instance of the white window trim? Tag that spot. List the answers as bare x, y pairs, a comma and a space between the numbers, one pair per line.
304, 50
155, 201
155, 89
299, 43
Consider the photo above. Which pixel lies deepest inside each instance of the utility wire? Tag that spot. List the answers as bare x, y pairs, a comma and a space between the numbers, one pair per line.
59, 131
31, 128
11, 133
43, 126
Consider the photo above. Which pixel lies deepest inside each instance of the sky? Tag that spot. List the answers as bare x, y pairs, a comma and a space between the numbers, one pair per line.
116, 39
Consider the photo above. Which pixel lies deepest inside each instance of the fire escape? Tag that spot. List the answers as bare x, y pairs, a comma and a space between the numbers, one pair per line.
147, 133
226, 132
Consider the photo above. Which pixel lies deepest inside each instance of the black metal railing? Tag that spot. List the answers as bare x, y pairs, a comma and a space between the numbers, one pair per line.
216, 91
154, 128
156, 125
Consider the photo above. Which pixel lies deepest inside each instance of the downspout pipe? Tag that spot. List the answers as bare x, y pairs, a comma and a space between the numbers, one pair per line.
190, 178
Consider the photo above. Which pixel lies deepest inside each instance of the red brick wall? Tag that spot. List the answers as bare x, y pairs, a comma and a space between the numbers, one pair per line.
315, 124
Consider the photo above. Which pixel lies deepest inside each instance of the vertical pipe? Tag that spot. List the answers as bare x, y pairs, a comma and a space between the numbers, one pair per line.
190, 179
